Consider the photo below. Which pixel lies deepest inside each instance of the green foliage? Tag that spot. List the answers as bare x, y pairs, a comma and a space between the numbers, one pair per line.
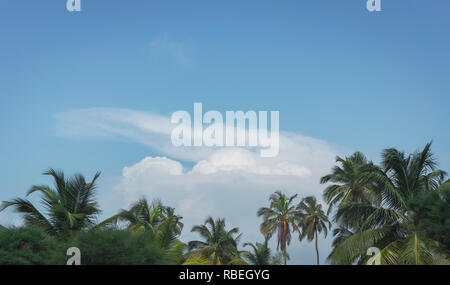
29, 246
389, 221
313, 221
401, 207
157, 220
261, 254
219, 245
352, 180
197, 258
432, 211
70, 207
281, 218
119, 247
143, 215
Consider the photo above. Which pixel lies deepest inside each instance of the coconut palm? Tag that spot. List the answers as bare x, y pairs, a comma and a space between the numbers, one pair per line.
161, 221
170, 227
143, 215
352, 181
69, 207
219, 245
340, 233
279, 218
392, 225
313, 221
261, 254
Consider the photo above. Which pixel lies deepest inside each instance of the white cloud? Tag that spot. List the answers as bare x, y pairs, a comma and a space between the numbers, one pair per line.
155, 165
223, 182
143, 127
233, 192
246, 161
100, 122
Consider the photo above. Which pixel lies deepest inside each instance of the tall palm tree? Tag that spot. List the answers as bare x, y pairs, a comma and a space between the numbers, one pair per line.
392, 225
70, 207
279, 218
313, 221
261, 254
219, 245
352, 181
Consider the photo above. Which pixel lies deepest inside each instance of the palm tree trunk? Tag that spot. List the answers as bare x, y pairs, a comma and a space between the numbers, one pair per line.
317, 251
284, 240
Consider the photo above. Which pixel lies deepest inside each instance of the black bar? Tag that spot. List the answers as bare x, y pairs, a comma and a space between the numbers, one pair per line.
222, 274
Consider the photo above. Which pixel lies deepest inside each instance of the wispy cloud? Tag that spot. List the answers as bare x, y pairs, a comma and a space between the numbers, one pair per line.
163, 49
154, 130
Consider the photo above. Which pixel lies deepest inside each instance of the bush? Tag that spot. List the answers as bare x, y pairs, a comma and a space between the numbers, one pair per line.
29, 246
115, 247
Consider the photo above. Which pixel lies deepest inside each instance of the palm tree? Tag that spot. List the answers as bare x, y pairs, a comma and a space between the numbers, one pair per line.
141, 216
280, 217
70, 207
340, 234
353, 181
392, 225
313, 221
262, 255
219, 245
157, 219
170, 227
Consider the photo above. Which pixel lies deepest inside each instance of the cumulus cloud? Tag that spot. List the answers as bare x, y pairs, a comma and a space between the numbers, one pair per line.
226, 160
223, 182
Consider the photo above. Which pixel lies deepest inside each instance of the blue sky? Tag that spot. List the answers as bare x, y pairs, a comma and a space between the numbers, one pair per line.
352, 79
